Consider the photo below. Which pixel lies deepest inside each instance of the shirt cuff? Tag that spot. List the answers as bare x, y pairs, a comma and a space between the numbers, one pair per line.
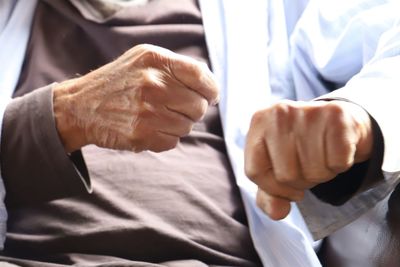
359, 178
34, 164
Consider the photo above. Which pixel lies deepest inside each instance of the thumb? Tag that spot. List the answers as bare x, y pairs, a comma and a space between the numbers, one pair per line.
276, 208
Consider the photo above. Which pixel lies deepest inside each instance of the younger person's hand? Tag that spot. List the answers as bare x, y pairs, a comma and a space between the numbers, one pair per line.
293, 146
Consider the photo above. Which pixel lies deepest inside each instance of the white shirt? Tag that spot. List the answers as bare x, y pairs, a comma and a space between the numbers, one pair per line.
331, 40
240, 41
355, 45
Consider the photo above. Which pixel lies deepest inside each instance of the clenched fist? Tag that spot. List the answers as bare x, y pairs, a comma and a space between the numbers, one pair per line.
144, 100
293, 146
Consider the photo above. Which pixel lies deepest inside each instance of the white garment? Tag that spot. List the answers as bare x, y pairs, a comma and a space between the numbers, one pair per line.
331, 41
15, 20
353, 44
238, 40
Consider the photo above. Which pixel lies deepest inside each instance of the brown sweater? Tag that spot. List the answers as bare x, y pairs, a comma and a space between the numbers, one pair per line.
177, 208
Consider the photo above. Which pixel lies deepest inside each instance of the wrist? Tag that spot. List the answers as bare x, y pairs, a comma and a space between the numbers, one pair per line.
71, 136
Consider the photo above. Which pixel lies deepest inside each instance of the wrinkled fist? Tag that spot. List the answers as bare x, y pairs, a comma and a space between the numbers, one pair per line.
144, 100
293, 146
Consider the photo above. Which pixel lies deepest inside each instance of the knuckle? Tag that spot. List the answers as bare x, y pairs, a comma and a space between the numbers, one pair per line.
207, 77
198, 68
289, 193
199, 109
281, 110
342, 158
148, 54
284, 177
137, 145
258, 117
190, 66
340, 165
297, 195
144, 111
335, 113
172, 143
197, 71
181, 124
318, 176
146, 79
283, 113
255, 174
312, 114
166, 144
186, 129
251, 172
213, 95
137, 149
146, 48
152, 78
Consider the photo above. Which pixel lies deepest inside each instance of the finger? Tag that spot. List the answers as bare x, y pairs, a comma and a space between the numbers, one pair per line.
196, 76
177, 98
281, 144
340, 150
159, 89
157, 129
310, 133
340, 140
276, 208
188, 103
190, 72
258, 169
256, 158
168, 122
258, 166
361, 124
159, 142
271, 186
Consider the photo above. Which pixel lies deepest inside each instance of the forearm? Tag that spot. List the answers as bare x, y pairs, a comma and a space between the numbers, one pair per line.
376, 90
34, 164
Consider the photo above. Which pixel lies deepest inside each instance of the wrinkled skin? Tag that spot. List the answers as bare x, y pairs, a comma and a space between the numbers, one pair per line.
146, 99
293, 146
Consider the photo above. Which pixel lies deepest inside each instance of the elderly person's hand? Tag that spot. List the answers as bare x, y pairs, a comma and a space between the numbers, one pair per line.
144, 100
293, 146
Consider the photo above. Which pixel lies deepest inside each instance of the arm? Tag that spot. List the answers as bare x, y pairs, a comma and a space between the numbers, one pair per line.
34, 164
144, 100
330, 48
